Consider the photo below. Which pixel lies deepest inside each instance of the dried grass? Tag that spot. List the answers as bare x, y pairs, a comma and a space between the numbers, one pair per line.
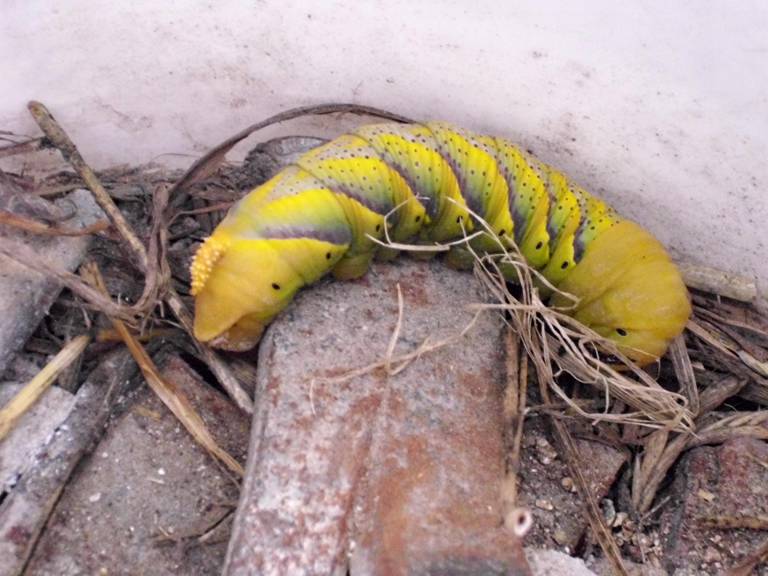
557, 344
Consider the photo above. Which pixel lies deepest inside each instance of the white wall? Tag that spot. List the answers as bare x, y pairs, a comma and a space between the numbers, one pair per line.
660, 106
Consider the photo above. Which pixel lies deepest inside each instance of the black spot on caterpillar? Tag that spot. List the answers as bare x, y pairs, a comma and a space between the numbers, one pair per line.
424, 182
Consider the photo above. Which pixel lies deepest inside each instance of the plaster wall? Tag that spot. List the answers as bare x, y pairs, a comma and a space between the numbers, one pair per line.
661, 107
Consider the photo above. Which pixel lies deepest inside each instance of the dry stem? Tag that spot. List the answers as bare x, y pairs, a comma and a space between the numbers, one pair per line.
209, 162
515, 397
152, 263
166, 390
61, 140
36, 227
28, 395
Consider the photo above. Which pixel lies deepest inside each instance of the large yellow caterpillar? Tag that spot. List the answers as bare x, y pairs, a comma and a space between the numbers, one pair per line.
424, 182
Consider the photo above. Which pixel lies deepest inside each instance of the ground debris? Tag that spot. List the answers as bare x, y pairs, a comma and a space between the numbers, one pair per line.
548, 489
31, 432
25, 295
361, 486
148, 495
25, 510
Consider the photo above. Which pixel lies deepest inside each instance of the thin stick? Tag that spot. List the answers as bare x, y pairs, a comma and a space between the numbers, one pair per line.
395, 333
748, 565
61, 140
718, 282
32, 391
24, 147
515, 396
93, 297
681, 362
112, 335
36, 227
661, 453
749, 522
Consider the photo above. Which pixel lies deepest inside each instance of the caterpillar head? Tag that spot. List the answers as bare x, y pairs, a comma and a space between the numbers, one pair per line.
239, 286
629, 291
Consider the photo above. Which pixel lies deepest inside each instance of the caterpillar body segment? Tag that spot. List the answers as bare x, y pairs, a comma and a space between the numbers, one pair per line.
423, 182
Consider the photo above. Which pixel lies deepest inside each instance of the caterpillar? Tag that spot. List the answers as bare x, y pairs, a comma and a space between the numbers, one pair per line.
427, 183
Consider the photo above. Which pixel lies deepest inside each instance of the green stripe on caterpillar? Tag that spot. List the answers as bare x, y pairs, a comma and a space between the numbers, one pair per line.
421, 183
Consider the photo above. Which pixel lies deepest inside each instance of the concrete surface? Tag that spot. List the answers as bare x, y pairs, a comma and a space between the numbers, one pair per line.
19, 449
398, 475
149, 500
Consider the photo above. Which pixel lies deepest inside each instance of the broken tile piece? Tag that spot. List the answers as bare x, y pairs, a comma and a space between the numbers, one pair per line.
735, 474
26, 508
31, 431
25, 295
397, 475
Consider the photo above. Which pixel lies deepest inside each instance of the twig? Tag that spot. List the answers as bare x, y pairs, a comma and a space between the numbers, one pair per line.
395, 333
36, 227
699, 310
747, 521
61, 140
697, 329
93, 297
220, 207
515, 398
660, 454
220, 369
28, 395
167, 391
112, 335
681, 362
716, 394
24, 147
516, 519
